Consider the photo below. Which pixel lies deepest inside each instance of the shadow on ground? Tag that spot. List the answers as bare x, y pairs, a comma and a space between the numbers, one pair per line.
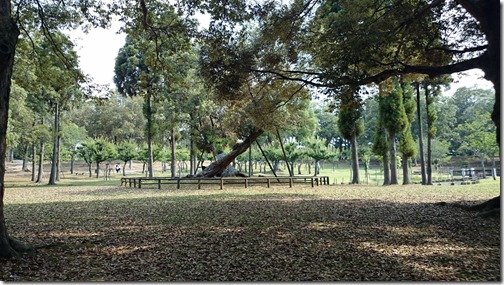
261, 238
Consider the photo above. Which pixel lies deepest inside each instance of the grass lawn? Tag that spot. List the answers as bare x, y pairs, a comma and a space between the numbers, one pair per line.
328, 233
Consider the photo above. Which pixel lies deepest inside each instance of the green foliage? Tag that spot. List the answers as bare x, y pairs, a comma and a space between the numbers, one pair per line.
316, 149
392, 109
96, 151
127, 151
407, 144
157, 153
380, 143
478, 137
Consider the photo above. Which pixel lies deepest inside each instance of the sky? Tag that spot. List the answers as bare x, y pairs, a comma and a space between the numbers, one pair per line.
98, 49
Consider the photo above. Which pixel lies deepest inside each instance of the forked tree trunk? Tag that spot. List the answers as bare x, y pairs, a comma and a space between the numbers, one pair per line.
218, 166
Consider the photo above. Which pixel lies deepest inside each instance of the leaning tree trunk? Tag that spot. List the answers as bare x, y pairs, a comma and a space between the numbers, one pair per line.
218, 166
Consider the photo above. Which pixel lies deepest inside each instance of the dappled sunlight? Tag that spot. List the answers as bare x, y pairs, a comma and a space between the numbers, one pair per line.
438, 258
329, 233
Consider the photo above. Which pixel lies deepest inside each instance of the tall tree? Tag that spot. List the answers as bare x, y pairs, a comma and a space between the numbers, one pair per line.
394, 121
145, 65
406, 143
432, 89
133, 77
380, 144
351, 126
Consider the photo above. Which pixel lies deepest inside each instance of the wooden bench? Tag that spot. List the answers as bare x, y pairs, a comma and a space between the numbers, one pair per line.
246, 181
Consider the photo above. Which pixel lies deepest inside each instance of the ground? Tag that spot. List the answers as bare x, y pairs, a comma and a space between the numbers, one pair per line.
327, 233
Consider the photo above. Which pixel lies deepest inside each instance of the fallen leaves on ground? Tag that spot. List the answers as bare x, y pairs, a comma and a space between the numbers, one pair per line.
326, 233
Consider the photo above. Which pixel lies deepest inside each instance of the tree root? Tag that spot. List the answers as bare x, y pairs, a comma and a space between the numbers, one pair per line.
487, 209
12, 248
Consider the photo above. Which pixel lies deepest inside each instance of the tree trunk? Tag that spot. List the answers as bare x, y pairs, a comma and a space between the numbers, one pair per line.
219, 165
54, 161
90, 168
58, 157
40, 163
173, 167
72, 162
355, 160
285, 155
34, 161
148, 115
405, 168
393, 160
420, 137
26, 157
192, 158
250, 170
8, 39
97, 169
386, 170
429, 137
267, 160
429, 160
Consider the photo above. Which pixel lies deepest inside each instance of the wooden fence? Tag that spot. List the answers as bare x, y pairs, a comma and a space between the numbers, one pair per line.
246, 181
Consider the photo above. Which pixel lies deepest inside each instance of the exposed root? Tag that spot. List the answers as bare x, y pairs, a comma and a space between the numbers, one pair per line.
487, 209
